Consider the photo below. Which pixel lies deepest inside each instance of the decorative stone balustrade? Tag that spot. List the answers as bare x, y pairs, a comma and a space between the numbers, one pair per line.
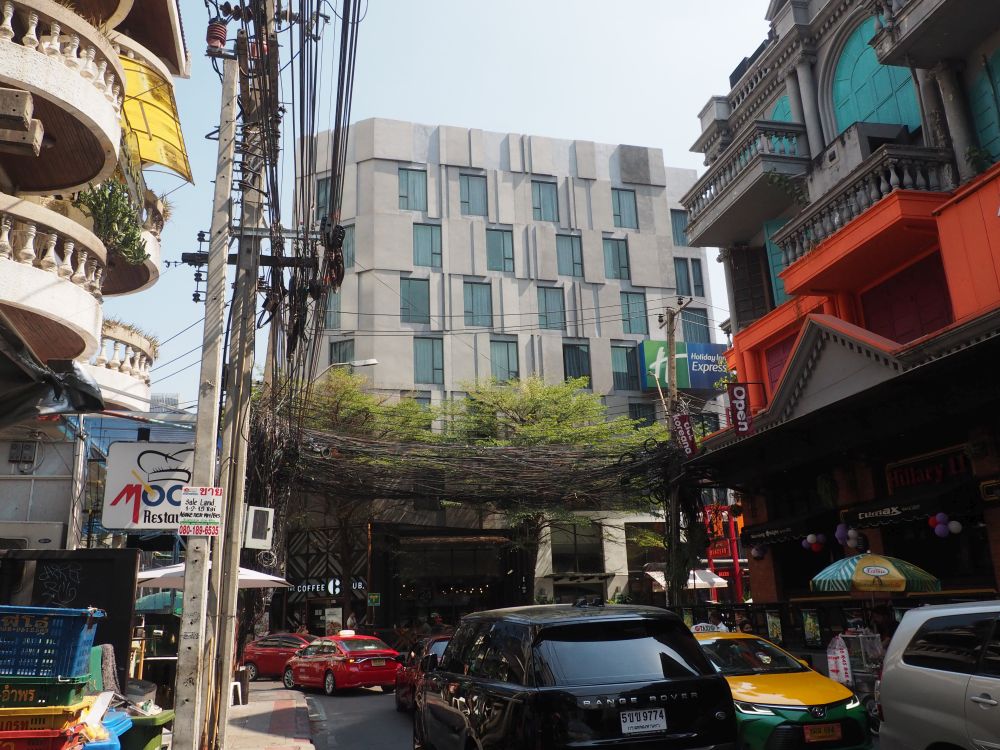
54, 31
764, 140
890, 168
37, 237
125, 351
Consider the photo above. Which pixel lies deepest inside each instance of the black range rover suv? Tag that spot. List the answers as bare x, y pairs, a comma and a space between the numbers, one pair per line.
571, 676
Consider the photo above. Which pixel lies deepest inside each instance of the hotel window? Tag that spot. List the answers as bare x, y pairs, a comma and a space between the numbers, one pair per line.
694, 322
576, 361
478, 304
341, 352
643, 412
415, 300
551, 308
679, 223
332, 317
634, 313
349, 247
623, 209
499, 250
503, 360
412, 189
624, 368
690, 280
569, 255
616, 259
544, 203
322, 197
428, 361
427, 245
473, 194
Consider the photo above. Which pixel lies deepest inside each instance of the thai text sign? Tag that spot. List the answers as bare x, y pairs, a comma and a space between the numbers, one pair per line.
144, 483
739, 408
201, 511
699, 366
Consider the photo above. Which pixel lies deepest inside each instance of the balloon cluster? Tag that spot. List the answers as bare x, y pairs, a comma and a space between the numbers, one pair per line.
942, 526
814, 542
851, 537
758, 551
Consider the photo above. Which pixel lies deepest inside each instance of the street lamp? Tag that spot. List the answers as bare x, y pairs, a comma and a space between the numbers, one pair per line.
352, 364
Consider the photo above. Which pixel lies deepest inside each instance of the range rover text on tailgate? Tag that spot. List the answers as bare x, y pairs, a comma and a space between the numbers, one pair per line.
562, 676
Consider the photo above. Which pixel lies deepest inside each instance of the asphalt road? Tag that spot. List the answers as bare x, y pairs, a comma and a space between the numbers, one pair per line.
362, 719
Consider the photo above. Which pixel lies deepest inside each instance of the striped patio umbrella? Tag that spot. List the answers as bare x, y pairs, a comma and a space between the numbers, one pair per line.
868, 572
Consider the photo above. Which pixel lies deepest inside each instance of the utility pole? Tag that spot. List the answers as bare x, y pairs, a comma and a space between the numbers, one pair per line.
669, 320
191, 651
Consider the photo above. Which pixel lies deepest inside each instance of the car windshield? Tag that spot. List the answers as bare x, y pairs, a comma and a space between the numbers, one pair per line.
363, 644
306, 637
437, 648
616, 651
743, 656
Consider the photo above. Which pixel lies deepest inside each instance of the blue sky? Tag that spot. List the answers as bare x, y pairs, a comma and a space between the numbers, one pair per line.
633, 71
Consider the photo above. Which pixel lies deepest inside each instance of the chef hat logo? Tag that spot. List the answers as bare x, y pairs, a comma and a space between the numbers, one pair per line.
165, 467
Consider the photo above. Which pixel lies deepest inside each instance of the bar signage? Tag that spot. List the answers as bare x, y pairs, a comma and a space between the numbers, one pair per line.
739, 408
928, 470
684, 433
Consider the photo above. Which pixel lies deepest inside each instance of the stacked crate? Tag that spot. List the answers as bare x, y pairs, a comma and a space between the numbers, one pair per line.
44, 668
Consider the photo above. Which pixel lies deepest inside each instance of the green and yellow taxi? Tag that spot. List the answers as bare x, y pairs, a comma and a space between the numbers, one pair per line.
780, 702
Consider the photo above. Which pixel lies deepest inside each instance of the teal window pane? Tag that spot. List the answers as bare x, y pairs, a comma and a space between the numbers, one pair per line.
984, 103
569, 255
499, 250
478, 304
576, 361
697, 280
623, 209
428, 361
643, 412
413, 189
544, 202
616, 259
503, 359
634, 312
679, 224
775, 260
624, 368
331, 318
782, 111
415, 300
427, 245
694, 323
341, 352
349, 247
472, 189
551, 308
322, 198
864, 90
683, 277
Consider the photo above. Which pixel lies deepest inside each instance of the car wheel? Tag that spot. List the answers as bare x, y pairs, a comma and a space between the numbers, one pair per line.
251, 669
329, 683
288, 679
874, 722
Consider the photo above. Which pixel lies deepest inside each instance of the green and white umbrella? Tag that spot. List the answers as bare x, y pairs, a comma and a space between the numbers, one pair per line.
870, 572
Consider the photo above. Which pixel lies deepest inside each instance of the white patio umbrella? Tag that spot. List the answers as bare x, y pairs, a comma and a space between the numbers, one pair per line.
172, 577
705, 579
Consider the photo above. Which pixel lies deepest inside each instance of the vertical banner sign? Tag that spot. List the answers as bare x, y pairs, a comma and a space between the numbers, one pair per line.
201, 511
684, 432
739, 408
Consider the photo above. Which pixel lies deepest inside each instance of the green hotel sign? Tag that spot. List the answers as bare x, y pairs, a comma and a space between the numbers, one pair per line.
699, 366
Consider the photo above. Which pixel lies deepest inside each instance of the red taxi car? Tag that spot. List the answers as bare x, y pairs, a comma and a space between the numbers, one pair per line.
409, 676
343, 661
268, 655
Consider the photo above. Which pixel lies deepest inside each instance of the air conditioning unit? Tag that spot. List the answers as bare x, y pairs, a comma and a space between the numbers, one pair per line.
18, 535
259, 528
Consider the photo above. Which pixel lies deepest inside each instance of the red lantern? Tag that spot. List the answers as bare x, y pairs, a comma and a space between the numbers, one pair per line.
816, 547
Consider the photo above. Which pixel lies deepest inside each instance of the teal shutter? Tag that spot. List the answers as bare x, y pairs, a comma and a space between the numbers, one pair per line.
499, 250
551, 308
503, 359
428, 360
415, 301
427, 245
864, 90
679, 224
984, 102
544, 201
634, 313
775, 259
694, 322
413, 189
349, 247
624, 368
683, 277
569, 255
698, 281
623, 209
472, 190
478, 304
616, 264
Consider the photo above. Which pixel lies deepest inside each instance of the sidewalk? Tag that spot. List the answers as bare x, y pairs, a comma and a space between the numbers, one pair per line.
274, 719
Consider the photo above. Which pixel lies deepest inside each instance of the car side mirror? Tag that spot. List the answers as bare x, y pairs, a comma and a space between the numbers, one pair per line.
804, 663
429, 663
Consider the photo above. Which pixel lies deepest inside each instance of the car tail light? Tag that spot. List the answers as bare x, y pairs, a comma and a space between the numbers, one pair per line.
352, 661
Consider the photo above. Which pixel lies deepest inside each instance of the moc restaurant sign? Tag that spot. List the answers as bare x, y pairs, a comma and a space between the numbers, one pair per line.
699, 366
144, 484
928, 470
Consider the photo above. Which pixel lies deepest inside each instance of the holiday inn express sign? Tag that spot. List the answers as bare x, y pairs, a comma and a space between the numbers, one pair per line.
699, 366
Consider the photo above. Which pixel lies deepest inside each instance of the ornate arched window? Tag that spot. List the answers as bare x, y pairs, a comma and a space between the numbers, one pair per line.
864, 90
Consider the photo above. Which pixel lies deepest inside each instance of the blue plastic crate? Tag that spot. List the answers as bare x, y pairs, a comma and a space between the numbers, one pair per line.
46, 641
117, 723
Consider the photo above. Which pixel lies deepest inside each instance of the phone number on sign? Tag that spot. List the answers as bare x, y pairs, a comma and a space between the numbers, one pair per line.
188, 530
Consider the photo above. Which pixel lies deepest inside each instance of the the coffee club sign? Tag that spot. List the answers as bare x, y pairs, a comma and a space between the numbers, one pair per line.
699, 366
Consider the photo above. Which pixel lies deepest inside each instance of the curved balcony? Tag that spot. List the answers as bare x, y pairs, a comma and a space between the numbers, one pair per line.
121, 366
51, 273
75, 81
110, 13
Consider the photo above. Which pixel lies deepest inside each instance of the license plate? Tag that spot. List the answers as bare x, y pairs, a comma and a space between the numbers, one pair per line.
822, 732
645, 720
378, 662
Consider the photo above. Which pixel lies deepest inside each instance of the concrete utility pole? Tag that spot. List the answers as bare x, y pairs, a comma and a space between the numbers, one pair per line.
669, 321
191, 651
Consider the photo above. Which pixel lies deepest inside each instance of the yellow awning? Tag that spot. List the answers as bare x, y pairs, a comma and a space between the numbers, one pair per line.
151, 114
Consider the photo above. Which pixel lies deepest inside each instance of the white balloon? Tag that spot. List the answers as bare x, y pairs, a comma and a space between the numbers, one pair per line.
852, 543
852, 533
811, 539
955, 527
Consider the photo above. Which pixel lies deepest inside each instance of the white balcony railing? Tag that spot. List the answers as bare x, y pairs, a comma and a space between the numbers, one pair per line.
125, 352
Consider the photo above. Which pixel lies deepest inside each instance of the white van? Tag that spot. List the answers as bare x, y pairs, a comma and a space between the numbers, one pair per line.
940, 682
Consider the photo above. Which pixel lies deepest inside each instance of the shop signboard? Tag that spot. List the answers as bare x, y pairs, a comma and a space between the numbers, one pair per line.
720, 548
201, 511
143, 485
374, 599
739, 408
699, 366
684, 432
931, 469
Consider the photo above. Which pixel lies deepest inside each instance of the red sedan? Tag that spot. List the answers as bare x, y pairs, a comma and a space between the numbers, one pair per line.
268, 655
343, 661
408, 677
